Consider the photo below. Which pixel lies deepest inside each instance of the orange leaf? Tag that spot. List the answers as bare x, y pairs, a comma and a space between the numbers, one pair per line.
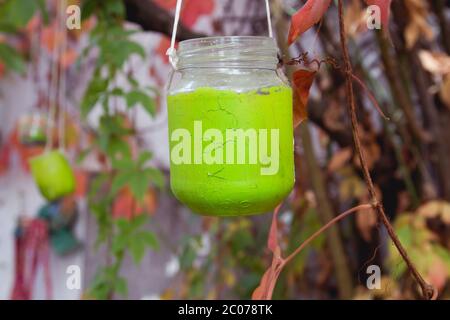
302, 81
68, 58
50, 37
385, 9
306, 17
126, 206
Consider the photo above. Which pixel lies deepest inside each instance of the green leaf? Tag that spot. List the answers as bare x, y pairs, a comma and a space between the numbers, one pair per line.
156, 177
119, 243
12, 59
136, 97
17, 12
149, 239
88, 8
121, 286
139, 185
120, 181
94, 91
144, 157
138, 222
137, 249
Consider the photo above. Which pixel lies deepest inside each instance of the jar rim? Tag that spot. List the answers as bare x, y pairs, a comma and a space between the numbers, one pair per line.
229, 51
227, 38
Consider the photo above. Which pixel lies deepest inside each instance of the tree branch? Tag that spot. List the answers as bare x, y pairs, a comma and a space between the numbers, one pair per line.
427, 290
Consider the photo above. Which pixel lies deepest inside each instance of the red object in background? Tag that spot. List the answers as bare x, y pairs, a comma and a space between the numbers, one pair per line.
32, 250
5, 153
161, 50
2, 70
25, 151
191, 9
194, 9
125, 206
81, 183
308, 15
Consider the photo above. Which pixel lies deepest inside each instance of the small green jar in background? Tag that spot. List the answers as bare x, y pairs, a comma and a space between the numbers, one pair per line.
53, 175
230, 127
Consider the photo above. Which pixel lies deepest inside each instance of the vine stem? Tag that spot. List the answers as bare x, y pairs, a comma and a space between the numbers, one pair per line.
428, 291
324, 228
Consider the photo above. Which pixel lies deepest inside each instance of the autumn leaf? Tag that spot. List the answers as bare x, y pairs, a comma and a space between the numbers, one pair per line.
68, 58
311, 13
272, 242
302, 81
340, 159
268, 281
126, 206
444, 92
435, 62
192, 9
418, 25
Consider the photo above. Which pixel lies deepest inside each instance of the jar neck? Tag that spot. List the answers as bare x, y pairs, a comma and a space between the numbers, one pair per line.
229, 52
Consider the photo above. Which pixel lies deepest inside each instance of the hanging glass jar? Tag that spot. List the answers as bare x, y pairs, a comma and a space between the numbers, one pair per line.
230, 126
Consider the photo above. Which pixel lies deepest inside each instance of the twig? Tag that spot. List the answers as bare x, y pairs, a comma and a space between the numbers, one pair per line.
324, 228
270, 278
427, 290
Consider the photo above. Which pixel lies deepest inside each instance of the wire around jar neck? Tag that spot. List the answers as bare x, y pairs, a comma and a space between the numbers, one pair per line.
228, 52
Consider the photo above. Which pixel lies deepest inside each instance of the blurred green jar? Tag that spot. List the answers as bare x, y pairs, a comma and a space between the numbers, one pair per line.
230, 127
53, 175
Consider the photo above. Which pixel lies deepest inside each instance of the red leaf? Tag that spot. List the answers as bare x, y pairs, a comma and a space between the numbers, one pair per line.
302, 81
306, 17
161, 50
272, 242
194, 9
265, 289
166, 4
191, 11
385, 8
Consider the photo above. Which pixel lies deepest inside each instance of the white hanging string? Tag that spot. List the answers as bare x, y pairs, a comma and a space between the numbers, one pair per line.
62, 80
53, 90
172, 52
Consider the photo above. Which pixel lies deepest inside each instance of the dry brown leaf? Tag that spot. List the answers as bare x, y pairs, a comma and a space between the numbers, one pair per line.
444, 91
366, 220
340, 159
302, 81
434, 209
354, 18
435, 62
418, 24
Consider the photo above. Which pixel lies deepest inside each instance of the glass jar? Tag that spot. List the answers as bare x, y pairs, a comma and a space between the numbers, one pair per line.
230, 127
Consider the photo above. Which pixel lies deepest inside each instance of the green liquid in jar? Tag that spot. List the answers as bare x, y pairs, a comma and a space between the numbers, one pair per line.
211, 179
